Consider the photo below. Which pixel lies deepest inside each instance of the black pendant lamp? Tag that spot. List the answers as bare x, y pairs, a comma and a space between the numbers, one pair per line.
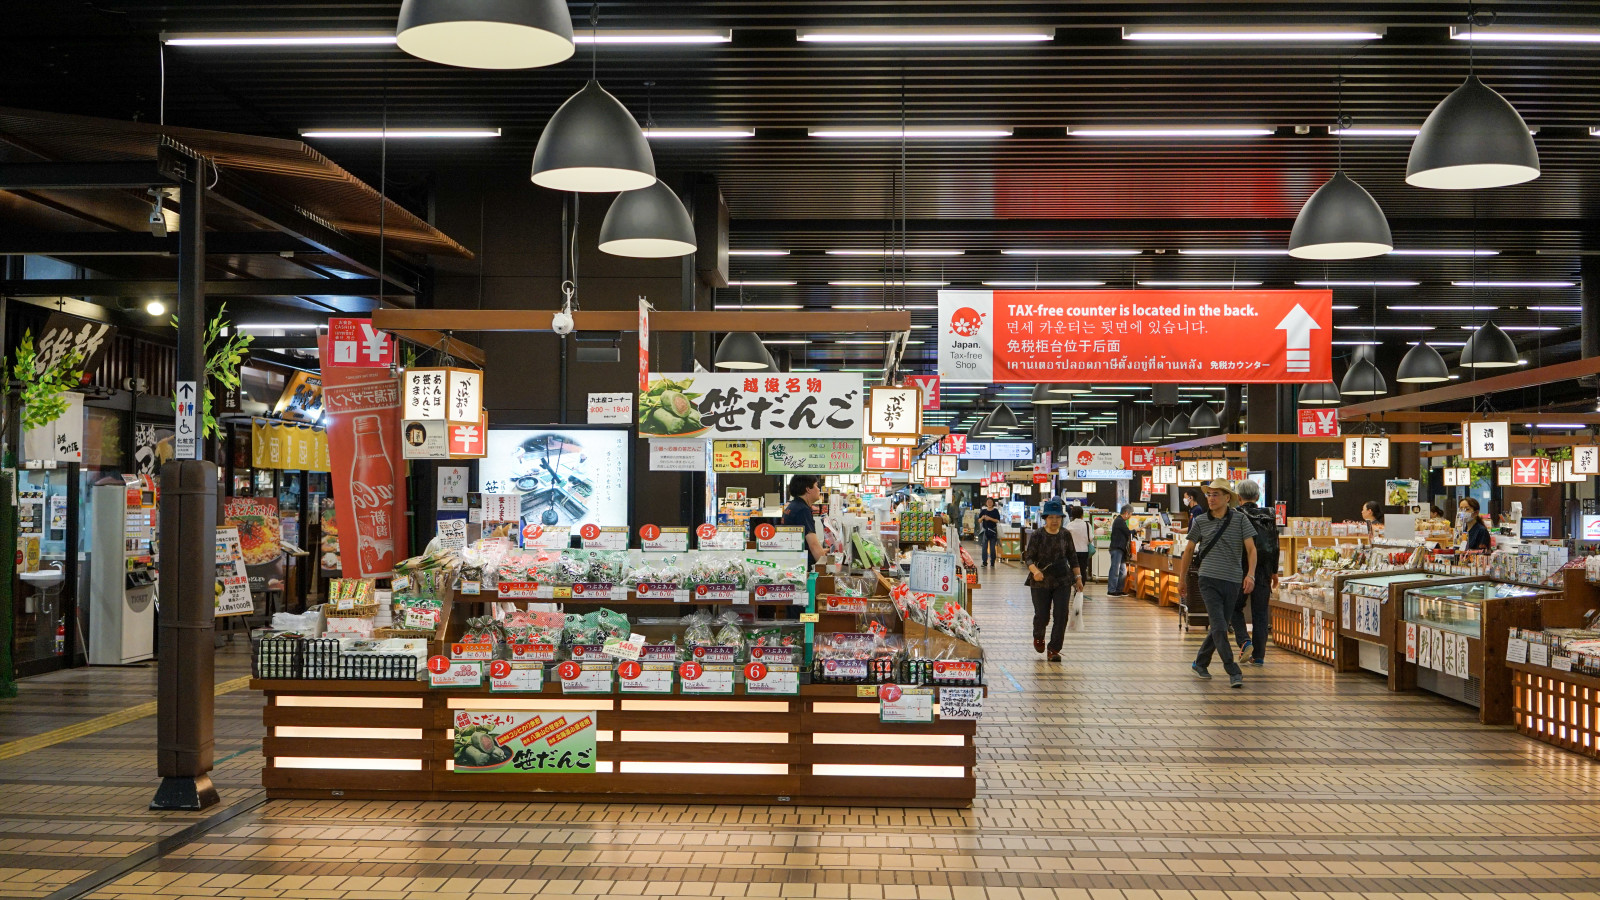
1340, 221
1363, 379
1141, 435
1002, 419
1204, 418
1043, 396
649, 223
486, 34
742, 350
1158, 430
1178, 426
1472, 139
593, 144
977, 429
1322, 394
1489, 348
1422, 365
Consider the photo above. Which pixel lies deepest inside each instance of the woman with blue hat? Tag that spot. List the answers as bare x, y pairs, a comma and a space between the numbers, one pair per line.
1053, 574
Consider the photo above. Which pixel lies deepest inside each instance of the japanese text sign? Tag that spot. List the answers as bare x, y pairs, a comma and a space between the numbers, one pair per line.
1486, 440
731, 457
354, 342
524, 741
610, 409
1189, 336
894, 412
1585, 460
818, 455
721, 404
1319, 423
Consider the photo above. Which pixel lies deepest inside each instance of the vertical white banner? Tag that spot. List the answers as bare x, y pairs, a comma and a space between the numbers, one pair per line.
966, 335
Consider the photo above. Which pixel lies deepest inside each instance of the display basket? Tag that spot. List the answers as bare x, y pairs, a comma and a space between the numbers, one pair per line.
321, 659
277, 657
925, 672
878, 671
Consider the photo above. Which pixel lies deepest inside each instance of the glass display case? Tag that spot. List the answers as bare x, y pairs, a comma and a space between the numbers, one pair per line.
1457, 608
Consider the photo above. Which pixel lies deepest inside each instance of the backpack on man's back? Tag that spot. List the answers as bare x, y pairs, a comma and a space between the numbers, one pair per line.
1265, 523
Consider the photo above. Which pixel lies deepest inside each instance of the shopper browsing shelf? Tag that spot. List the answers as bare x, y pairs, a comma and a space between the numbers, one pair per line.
1121, 538
1220, 548
1053, 574
1477, 532
1369, 515
988, 532
804, 492
1253, 649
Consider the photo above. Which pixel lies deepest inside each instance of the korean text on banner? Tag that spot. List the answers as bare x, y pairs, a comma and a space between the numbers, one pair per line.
718, 404
363, 437
1136, 336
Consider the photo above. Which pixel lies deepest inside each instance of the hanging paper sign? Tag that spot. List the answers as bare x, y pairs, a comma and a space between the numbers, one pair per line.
1375, 452
424, 393
894, 412
736, 457
1321, 489
954, 443
354, 342
1486, 440
884, 458
1319, 422
1322, 469
1352, 453
1530, 471
1452, 477
1586, 460
1502, 477
1144, 336
1338, 471
718, 404
1190, 470
424, 439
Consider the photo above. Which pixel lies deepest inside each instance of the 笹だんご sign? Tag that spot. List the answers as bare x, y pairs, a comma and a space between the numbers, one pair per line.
731, 405
1136, 336
517, 741
821, 456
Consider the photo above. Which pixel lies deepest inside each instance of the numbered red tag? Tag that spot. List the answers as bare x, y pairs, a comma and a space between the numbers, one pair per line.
706, 531
755, 672
629, 669
889, 693
438, 665
590, 531
765, 531
690, 671
500, 668
532, 532
569, 670
649, 532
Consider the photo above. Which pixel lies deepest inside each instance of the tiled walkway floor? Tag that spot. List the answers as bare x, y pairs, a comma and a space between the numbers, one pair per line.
1114, 775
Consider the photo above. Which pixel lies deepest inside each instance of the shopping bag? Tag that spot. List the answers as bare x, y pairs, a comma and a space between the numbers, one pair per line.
1075, 612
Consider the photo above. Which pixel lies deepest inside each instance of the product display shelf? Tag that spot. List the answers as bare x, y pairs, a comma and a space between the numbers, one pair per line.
1556, 707
1156, 577
1485, 623
1303, 630
823, 746
1388, 645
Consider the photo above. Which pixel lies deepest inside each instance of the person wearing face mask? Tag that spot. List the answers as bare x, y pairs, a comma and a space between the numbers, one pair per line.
1477, 532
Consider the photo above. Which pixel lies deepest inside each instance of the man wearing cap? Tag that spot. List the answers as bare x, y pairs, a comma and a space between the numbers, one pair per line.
1221, 544
1053, 574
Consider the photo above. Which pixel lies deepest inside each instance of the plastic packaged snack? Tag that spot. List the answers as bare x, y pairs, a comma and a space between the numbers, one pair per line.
697, 630
711, 569
729, 633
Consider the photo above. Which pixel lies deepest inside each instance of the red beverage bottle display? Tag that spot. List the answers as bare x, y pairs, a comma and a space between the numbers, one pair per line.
372, 490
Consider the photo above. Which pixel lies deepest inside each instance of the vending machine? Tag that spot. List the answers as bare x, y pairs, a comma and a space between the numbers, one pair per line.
122, 573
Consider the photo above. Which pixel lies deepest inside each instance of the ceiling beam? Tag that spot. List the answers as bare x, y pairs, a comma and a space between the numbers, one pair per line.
232, 287
1456, 418
1145, 224
445, 344
628, 320
67, 176
1463, 390
133, 243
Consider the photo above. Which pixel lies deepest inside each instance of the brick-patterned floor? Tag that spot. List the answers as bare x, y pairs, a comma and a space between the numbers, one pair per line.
1113, 775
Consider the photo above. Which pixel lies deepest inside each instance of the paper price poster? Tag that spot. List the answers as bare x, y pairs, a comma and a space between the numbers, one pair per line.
493, 741
961, 703
233, 585
1437, 637
1411, 642
1425, 647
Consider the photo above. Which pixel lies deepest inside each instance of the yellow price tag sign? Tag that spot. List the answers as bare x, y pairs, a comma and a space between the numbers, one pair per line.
810, 617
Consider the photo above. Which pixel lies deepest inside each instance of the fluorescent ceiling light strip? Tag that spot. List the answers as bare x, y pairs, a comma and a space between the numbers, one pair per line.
758, 253
1515, 284
1443, 252
881, 308
1511, 35
1323, 283
1264, 34
1517, 328
399, 133
908, 133
653, 36
890, 284
1344, 307
1071, 252
955, 35
1029, 284
761, 284
278, 38
1394, 131
896, 253
1563, 309
698, 133
1200, 284
1441, 308
737, 306
1357, 343
269, 326
1561, 425
784, 341
1241, 131
1439, 344
1391, 327
1234, 251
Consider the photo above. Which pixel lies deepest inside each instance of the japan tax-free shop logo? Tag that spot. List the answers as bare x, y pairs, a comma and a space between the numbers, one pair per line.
966, 322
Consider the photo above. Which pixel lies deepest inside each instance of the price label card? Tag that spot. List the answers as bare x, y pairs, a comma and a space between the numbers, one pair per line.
654, 538
1561, 663
761, 678
791, 594
955, 671
780, 537
471, 652
1539, 654
522, 679
604, 537
346, 603
519, 590
1517, 650
461, 674
810, 617
540, 653
721, 593
624, 648
961, 703
730, 538
584, 678
453, 535
651, 590
400, 583
904, 705
535, 536
645, 678
712, 679
836, 604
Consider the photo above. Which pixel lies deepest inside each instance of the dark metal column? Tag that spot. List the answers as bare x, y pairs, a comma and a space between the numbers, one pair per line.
185, 680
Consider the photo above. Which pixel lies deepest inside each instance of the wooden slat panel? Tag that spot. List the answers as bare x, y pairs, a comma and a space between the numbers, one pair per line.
621, 783
379, 748
347, 780
331, 688
641, 720
863, 790
869, 724
881, 755
356, 718
675, 751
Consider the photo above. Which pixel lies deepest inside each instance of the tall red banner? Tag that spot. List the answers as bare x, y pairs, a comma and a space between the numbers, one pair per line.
369, 491
1185, 336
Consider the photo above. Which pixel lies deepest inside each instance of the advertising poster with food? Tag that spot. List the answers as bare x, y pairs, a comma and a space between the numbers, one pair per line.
564, 478
491, 741
1184, 336
256, 519
233, 582
363, 419
720, 404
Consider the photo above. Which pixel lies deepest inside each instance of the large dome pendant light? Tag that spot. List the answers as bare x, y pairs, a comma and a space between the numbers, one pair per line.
1340, 220
1422, 365
1002, 419
741, 350
1141, 435
1473, 139
1322, 394
649, 223
486, 34
1043, 396
593, 143
1363, 379
1179, 426
1204, 418
1489, 348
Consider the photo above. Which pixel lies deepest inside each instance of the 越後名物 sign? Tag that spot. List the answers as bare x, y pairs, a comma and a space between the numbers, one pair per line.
720, 404
1186, 336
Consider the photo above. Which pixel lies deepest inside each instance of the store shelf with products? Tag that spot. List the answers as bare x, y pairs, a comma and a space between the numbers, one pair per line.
1368, 618
1155, 577
871, 697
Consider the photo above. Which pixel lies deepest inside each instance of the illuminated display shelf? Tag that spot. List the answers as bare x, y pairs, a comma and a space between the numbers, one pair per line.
824, 746
1559, 708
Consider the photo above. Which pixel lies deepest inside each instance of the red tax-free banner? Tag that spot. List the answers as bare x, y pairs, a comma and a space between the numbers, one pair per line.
1183, 336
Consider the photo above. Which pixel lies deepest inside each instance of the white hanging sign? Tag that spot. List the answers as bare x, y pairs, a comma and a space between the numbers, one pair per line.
1486, 440
1352, 452
1375, 452
1321, 489
1586, 460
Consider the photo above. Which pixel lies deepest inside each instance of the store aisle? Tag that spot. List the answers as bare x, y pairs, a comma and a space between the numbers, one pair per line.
1113, 775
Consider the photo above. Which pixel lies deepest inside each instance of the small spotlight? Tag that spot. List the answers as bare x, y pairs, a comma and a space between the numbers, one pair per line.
155, 307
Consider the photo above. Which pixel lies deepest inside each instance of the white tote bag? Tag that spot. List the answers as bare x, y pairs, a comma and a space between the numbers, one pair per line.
1075, 612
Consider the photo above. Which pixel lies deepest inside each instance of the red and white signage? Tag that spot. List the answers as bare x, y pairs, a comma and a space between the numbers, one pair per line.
644, 346
363, 449
881, 458
467, 438
1184, 336
936, 482
1113, 457
1319, 423
1041, 478
930, 389
954, 443
354, 342
1530, 471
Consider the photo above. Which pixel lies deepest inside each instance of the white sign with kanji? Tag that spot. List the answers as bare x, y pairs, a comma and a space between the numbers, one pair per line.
610, 409
424, 391
895, 412
1375, 452
467, 439
354, 342
464, 400
1352, 452
1586, 460
1486, 440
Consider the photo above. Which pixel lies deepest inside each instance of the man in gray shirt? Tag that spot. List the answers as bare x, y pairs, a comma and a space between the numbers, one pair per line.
1224, 542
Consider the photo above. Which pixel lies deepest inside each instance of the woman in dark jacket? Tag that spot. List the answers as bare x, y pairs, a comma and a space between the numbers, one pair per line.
1053, 574
1477, 532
